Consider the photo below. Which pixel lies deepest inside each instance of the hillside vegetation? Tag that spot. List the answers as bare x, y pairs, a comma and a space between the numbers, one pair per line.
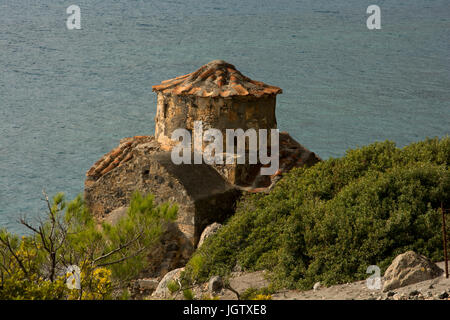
330, 222
43, 264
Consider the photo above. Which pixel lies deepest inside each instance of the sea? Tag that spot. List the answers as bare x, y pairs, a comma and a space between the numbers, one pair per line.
68, 96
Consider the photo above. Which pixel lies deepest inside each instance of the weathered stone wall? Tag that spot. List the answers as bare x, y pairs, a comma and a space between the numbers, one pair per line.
202, 195
142, 173
239, 174
175, 112
213, 198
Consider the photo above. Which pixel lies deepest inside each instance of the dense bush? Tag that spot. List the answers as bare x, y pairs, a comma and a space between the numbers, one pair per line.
36, 266
330, 222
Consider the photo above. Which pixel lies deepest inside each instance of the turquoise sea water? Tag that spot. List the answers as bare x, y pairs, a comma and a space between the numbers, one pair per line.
67, 97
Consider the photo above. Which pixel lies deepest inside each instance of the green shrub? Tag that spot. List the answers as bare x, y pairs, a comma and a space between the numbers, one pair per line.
173, 286
145, 222
188, 294
330, 222
35, 266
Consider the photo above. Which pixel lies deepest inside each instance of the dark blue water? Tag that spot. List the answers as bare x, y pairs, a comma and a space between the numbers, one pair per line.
67, 97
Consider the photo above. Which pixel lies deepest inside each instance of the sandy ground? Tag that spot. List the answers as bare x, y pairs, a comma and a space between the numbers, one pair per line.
426, 290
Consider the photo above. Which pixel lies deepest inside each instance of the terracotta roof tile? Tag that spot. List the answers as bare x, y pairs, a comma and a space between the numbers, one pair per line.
217, 78
117, 156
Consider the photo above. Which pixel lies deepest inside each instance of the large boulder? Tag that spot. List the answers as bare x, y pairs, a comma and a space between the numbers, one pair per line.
208, 232
162, 291
409, 268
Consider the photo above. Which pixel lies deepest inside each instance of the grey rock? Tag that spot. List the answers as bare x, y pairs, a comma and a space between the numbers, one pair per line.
317, 286
162, 290
147, 284
414, 293
215, 284
443, 295
409, 268
208, 232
